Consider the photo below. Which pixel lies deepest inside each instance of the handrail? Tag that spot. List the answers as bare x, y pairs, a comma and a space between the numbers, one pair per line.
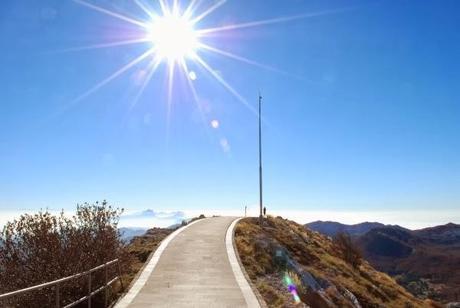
56, 284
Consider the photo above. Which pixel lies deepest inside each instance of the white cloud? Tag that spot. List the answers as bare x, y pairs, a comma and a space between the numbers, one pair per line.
150, 219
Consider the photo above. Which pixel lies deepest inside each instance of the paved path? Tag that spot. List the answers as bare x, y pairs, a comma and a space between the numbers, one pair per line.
194, 270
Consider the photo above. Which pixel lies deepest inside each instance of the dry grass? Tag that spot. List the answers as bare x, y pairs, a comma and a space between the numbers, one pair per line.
140, 248
318, 255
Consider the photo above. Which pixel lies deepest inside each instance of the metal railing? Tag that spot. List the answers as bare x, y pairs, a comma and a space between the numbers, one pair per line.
56, 284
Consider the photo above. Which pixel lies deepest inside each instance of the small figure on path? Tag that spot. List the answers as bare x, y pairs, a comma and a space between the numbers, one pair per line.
265, 211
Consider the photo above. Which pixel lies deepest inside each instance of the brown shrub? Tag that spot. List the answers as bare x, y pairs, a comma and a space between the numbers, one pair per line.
39, 248
349, 252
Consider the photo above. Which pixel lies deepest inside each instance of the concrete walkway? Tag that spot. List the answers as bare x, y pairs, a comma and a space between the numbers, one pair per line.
194, 270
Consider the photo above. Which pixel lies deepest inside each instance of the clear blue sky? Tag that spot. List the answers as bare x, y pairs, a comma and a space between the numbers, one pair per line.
367, 116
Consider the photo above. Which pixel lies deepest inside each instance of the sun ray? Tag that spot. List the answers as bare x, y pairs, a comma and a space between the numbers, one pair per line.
171, 68
146, 9
113, 76
251, 62
270, 21
225, 84
187, 73
240, 58
176, 8
194, 93
111, 13
153, 67
105, 45
190, 9
208, 11
164, 8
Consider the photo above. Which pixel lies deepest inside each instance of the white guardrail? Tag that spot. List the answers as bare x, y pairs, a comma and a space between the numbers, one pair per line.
56, 285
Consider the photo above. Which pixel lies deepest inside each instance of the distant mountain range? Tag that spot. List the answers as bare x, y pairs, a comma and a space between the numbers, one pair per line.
149, 219
159, 215
138, 223
331, 228
127, 234
425, 261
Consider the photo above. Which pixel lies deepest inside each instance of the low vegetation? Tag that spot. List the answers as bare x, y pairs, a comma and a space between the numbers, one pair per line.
39, 248
348, 250
321, 271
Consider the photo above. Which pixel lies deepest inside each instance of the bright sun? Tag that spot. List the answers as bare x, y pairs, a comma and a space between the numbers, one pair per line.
173, 37
177, 37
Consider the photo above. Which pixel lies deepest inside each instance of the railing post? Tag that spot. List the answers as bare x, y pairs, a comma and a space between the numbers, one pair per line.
56, 284
119, 275
58, 298
106, 297
89, 290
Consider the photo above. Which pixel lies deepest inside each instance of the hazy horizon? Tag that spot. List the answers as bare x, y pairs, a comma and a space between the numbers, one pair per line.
406, 219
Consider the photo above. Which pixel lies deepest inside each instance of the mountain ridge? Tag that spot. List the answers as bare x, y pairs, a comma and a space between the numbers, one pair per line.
330, 228
425, 261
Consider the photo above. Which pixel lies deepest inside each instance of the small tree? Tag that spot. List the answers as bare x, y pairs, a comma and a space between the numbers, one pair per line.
39, 248
347, 249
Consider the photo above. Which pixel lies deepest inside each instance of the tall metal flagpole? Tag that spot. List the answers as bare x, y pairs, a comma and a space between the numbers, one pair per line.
260, 160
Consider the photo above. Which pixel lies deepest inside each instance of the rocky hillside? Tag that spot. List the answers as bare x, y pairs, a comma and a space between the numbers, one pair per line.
448, 234
292, 266
388, 242
426, 261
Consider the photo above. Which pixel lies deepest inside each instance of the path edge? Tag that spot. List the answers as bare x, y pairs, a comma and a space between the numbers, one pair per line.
250, 292
147, 270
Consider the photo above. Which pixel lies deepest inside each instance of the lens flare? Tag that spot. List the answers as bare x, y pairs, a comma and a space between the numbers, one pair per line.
291, 287
215, 124
192, 75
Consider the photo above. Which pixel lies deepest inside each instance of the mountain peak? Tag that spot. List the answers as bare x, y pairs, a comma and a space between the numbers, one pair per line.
331, 228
